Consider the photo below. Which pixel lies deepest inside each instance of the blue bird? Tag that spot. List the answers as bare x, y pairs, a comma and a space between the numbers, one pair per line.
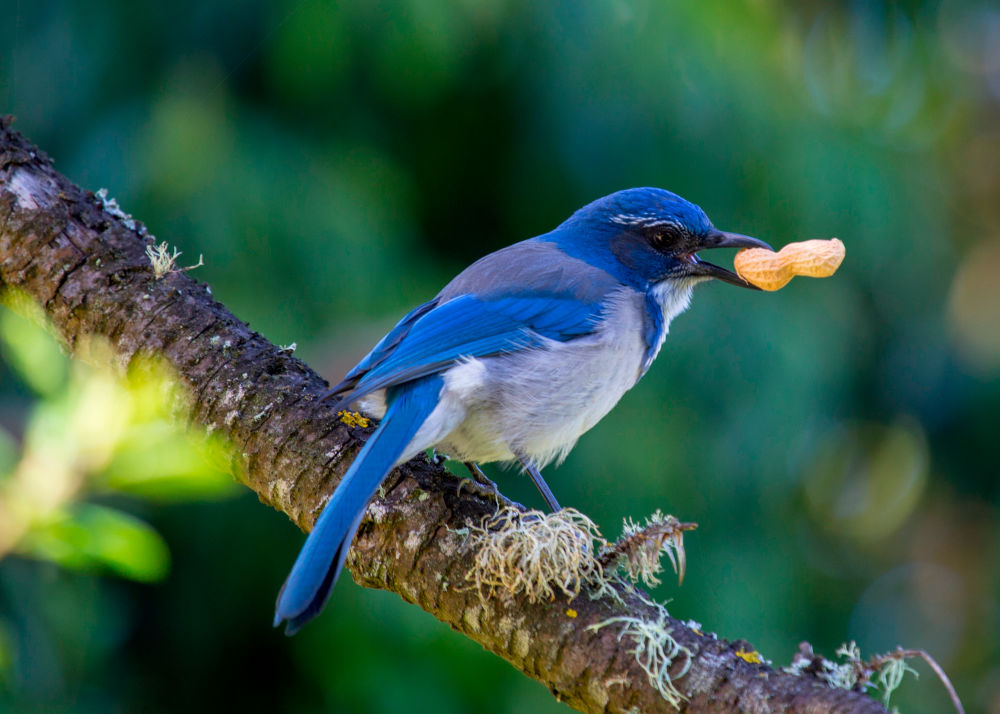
520, 354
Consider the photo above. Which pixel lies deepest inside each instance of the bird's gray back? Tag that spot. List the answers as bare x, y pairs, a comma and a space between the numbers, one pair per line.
531, 267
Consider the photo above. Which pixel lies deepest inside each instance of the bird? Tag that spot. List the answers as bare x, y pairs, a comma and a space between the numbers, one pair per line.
518, 356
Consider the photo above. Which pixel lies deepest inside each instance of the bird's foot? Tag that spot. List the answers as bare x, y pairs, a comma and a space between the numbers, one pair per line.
474, 487
479, 484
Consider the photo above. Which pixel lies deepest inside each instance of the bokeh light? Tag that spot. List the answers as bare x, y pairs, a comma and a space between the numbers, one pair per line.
864, 480
974, 308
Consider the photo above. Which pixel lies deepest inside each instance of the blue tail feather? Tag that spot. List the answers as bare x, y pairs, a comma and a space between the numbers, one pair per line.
321, 559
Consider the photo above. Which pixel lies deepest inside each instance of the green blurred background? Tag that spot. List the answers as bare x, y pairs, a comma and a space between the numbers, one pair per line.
337, 163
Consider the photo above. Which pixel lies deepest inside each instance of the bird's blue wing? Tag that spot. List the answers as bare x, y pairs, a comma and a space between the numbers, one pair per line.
467, 326
383, 348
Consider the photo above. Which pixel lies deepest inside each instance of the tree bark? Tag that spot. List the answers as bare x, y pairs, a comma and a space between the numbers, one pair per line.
88, 268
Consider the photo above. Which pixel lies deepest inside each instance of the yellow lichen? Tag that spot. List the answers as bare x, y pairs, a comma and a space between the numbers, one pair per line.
752, 657
570, 612
354, 419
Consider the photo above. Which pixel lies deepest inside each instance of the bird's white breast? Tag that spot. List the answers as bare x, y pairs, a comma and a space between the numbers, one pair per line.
538, 402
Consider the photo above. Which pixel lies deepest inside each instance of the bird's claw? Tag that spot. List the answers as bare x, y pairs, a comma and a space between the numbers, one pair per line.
485, 490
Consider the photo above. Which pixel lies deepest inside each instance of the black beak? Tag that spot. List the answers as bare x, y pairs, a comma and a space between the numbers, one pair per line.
721, 239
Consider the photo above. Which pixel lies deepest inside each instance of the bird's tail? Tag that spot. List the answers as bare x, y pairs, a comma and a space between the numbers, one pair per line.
308, 586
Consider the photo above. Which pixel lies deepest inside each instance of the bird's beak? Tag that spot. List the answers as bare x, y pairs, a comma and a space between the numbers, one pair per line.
721, 239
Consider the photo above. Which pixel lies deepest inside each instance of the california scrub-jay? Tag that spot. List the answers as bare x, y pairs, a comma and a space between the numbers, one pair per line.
518, 356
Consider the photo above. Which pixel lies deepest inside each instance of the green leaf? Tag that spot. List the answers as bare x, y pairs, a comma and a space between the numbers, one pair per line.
33, 352
94, 538
160, 461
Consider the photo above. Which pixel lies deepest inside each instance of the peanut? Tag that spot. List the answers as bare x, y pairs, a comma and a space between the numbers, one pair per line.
772, 271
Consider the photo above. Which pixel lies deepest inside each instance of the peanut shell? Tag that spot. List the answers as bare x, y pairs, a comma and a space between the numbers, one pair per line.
772, 271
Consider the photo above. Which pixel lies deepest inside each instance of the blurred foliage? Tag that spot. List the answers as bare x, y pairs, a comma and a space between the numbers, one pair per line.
336, 163
92, 432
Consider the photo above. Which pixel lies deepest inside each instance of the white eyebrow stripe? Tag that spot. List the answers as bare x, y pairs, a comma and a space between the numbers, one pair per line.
646, 221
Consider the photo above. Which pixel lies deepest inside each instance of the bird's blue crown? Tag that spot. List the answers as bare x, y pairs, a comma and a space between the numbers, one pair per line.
642, 207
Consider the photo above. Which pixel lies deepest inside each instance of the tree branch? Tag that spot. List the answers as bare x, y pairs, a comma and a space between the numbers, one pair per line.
88, 268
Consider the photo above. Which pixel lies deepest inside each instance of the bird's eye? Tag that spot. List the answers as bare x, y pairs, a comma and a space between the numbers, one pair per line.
663, 238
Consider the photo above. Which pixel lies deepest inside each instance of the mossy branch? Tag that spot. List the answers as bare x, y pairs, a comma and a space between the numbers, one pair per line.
88, 267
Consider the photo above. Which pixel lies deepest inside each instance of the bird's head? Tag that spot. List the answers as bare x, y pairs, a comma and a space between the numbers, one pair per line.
649, 235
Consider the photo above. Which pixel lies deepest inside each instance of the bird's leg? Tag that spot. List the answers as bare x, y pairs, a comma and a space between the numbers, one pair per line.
481, 486
543, 488
477, 473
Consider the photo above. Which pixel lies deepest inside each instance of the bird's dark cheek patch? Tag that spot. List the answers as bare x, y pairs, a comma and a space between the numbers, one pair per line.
637, 255
623, 248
